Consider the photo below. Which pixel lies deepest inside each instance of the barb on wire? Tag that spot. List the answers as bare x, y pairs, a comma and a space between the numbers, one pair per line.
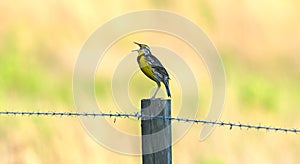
139, 116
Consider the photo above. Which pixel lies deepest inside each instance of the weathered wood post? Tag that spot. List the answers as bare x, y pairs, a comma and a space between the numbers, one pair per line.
156, 132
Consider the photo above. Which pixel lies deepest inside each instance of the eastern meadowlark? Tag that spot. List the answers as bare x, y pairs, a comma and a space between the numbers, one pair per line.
152, 67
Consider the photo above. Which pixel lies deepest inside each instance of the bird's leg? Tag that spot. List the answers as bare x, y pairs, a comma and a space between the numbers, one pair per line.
158, 87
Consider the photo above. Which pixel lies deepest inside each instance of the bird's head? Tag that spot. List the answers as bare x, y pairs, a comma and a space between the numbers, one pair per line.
144, 49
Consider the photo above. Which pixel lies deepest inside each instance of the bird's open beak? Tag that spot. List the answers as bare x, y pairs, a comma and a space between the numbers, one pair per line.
138, 45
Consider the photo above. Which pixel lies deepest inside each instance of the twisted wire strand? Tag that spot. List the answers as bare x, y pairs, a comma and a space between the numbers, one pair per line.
138, 116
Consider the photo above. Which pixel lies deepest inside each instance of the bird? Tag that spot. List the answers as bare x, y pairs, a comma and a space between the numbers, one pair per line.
152, 68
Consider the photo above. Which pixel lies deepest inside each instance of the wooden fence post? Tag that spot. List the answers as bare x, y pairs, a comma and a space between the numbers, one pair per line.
156, 133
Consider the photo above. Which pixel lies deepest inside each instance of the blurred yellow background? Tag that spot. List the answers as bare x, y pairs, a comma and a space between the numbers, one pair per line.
259, 42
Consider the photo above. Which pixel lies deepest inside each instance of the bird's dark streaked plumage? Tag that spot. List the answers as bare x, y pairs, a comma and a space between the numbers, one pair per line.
152, 68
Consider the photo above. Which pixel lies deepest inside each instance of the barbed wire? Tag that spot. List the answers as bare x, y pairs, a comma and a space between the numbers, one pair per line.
138, 116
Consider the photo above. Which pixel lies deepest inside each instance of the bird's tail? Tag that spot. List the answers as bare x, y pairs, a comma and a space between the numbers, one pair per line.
166, 82
168, 91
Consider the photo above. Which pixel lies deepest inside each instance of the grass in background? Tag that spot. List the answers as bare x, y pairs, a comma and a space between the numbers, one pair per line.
38, 52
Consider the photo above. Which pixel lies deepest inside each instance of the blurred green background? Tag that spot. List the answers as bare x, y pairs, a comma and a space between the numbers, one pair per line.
259, 42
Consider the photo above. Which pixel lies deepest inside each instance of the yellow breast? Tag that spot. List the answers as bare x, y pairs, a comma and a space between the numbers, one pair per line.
145, 67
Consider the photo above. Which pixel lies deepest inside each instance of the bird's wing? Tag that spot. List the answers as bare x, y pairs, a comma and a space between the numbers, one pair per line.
158, 69
153, 61
160, 72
